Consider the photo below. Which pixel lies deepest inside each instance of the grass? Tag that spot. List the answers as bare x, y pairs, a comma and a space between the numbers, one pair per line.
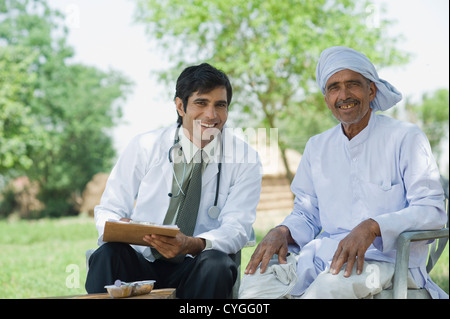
46, 257
439, 273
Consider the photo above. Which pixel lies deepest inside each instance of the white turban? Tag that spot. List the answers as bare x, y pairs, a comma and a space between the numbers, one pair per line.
338, 58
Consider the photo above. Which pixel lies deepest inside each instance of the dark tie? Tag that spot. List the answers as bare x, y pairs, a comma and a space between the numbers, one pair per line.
187, 215
189, 204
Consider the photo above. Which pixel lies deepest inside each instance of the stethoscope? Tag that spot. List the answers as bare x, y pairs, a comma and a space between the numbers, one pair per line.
214, 210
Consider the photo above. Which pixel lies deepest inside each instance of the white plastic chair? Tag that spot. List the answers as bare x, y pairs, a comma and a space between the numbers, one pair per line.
399, 288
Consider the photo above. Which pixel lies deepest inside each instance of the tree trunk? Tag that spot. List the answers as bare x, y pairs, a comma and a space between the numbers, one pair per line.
270, 120
289, 174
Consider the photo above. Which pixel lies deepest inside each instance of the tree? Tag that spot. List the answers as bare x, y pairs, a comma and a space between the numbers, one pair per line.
432, 115
269, 48
78, 145
16, 121
55, 115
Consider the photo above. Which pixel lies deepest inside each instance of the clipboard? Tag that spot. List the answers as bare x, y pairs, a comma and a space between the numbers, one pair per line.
133, 232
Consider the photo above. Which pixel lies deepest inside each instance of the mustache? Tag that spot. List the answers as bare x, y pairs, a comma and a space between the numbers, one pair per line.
347, 101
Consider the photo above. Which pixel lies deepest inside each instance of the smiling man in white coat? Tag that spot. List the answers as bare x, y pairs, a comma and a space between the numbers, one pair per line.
196, 175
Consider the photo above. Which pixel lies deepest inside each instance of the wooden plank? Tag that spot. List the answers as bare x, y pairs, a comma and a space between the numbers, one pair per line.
168, 293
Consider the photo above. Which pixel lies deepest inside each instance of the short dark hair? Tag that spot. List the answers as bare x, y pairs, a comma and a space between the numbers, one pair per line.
201, 78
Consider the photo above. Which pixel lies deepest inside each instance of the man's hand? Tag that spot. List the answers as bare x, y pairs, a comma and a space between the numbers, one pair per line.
181, 244
354, 246
275, 242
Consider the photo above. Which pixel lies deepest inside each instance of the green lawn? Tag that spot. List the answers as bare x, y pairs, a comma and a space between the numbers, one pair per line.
46, 257
35, 255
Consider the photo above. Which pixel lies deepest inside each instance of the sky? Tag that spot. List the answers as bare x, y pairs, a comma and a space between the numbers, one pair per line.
103, 34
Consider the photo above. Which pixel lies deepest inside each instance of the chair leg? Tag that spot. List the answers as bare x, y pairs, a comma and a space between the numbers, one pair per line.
235, 291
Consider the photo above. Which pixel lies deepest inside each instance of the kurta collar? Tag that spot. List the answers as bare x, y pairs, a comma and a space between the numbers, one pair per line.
364, 134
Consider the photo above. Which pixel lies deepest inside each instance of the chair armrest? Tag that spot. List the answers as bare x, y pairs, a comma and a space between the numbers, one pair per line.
418, 235
252, 241
400, 286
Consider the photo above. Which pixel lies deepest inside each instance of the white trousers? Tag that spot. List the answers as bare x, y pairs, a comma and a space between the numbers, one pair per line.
278, 281
375, 277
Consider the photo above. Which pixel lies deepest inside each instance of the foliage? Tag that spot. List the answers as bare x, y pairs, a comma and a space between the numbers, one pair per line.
16, 121
269, 48
432, 114
54, 114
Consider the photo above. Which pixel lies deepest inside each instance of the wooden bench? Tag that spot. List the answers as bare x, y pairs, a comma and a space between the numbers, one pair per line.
167, 293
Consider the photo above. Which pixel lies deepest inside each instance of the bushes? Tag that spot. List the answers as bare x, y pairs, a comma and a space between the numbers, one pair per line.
19, 197
24, 199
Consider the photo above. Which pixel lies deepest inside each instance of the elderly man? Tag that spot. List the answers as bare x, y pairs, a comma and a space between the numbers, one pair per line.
358, 186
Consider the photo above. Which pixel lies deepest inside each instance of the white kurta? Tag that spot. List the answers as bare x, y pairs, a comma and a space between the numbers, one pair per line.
387, 172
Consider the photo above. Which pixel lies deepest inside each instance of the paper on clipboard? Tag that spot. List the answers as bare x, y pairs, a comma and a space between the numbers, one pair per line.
133, 232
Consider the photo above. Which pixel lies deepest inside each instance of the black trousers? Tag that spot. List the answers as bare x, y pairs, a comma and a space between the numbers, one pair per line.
211, 274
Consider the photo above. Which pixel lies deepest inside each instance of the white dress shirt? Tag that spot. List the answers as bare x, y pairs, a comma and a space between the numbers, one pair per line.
183, 164
387, 172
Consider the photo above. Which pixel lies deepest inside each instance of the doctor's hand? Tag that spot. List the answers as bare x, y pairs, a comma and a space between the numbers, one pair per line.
171, 247
353, 248
275, 242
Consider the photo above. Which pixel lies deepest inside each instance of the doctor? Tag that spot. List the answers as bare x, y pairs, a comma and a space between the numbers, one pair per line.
152, 181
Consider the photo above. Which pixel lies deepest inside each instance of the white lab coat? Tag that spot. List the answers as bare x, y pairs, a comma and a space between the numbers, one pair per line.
139, 184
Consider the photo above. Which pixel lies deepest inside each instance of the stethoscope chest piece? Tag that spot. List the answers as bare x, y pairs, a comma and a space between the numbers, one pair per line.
214, 212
